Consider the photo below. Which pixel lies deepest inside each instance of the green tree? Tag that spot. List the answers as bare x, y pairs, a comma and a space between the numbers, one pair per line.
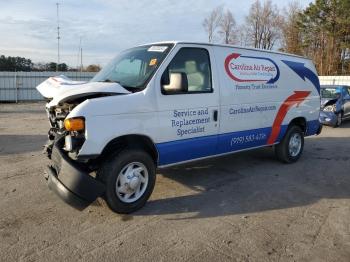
52, 66
15, 63
325, 28
62, 67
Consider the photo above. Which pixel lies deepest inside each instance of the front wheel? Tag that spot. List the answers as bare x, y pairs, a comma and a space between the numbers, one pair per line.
129, 177
339, 119
291, 147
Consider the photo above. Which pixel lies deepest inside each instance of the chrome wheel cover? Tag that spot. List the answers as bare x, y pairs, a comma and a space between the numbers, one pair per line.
132, 182
294, 146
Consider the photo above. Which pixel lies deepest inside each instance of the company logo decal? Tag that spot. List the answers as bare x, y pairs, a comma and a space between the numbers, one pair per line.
251, 69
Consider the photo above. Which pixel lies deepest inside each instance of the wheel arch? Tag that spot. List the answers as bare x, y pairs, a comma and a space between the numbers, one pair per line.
132, 141
299, 121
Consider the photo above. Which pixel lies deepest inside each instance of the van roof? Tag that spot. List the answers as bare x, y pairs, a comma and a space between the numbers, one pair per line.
226, 45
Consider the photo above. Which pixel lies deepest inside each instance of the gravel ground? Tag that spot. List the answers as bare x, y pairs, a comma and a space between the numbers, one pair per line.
243, 207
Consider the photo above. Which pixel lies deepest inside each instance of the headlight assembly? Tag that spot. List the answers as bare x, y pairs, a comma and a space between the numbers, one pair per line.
330, 108
74, 124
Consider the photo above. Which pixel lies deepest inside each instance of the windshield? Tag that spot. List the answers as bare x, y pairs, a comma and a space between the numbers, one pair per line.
329, 92
133, 68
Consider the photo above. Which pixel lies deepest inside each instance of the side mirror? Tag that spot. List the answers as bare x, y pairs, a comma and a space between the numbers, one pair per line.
178, 83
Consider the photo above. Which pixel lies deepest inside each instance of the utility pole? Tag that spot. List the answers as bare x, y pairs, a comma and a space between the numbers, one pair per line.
80, 56
58, 37
81, 59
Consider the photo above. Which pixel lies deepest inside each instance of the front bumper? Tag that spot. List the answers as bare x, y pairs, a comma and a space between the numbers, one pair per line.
328, 118
71, 181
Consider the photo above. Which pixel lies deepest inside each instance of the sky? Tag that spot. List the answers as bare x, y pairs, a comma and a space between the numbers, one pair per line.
28, 28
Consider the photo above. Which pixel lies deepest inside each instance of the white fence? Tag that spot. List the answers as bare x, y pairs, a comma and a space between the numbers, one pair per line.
335, 80
20, 86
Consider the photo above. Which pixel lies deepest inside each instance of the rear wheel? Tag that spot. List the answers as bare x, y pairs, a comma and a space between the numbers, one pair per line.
291, 147
129, 177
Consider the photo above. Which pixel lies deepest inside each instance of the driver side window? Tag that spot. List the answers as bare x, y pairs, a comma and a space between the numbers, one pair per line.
188, 72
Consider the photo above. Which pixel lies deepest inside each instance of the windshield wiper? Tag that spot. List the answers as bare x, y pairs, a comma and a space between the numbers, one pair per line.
129, 88
133, 89
108, 81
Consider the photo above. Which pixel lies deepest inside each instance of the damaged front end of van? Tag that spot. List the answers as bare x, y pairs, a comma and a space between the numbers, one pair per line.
70, 176
87, 119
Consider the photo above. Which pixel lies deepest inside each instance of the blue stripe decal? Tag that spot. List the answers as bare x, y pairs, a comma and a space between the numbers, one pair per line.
303, 72
242, 139
186, 149
312, 127
192, 148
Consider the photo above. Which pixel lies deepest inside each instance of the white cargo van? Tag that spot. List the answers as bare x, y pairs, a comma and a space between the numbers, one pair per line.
169, 103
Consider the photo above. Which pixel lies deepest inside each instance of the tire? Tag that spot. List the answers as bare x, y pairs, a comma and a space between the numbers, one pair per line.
125, 174
339, 119
287, 152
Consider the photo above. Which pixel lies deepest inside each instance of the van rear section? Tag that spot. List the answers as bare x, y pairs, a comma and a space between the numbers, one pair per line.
170, 103
262, 94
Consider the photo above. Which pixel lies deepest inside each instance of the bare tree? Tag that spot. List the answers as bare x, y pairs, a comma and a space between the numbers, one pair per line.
93, 68
227, 28
264, 24
242, 37
291, 37
212, 22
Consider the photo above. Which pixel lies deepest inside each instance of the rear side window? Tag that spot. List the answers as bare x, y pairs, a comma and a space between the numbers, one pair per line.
192, 66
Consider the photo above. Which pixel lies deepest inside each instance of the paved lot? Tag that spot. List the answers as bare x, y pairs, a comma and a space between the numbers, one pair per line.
244, 207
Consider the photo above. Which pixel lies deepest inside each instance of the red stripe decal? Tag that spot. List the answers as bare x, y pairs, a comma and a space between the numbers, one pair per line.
296, 99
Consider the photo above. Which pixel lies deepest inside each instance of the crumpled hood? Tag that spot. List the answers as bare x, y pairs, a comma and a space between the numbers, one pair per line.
61, 89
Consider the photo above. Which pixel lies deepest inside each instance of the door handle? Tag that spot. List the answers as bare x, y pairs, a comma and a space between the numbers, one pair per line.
215, 115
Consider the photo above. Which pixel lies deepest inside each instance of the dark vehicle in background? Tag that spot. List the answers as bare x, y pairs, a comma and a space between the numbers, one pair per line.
335, 104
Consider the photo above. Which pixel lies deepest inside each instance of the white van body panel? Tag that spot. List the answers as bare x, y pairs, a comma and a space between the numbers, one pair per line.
256, 95
107, 118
